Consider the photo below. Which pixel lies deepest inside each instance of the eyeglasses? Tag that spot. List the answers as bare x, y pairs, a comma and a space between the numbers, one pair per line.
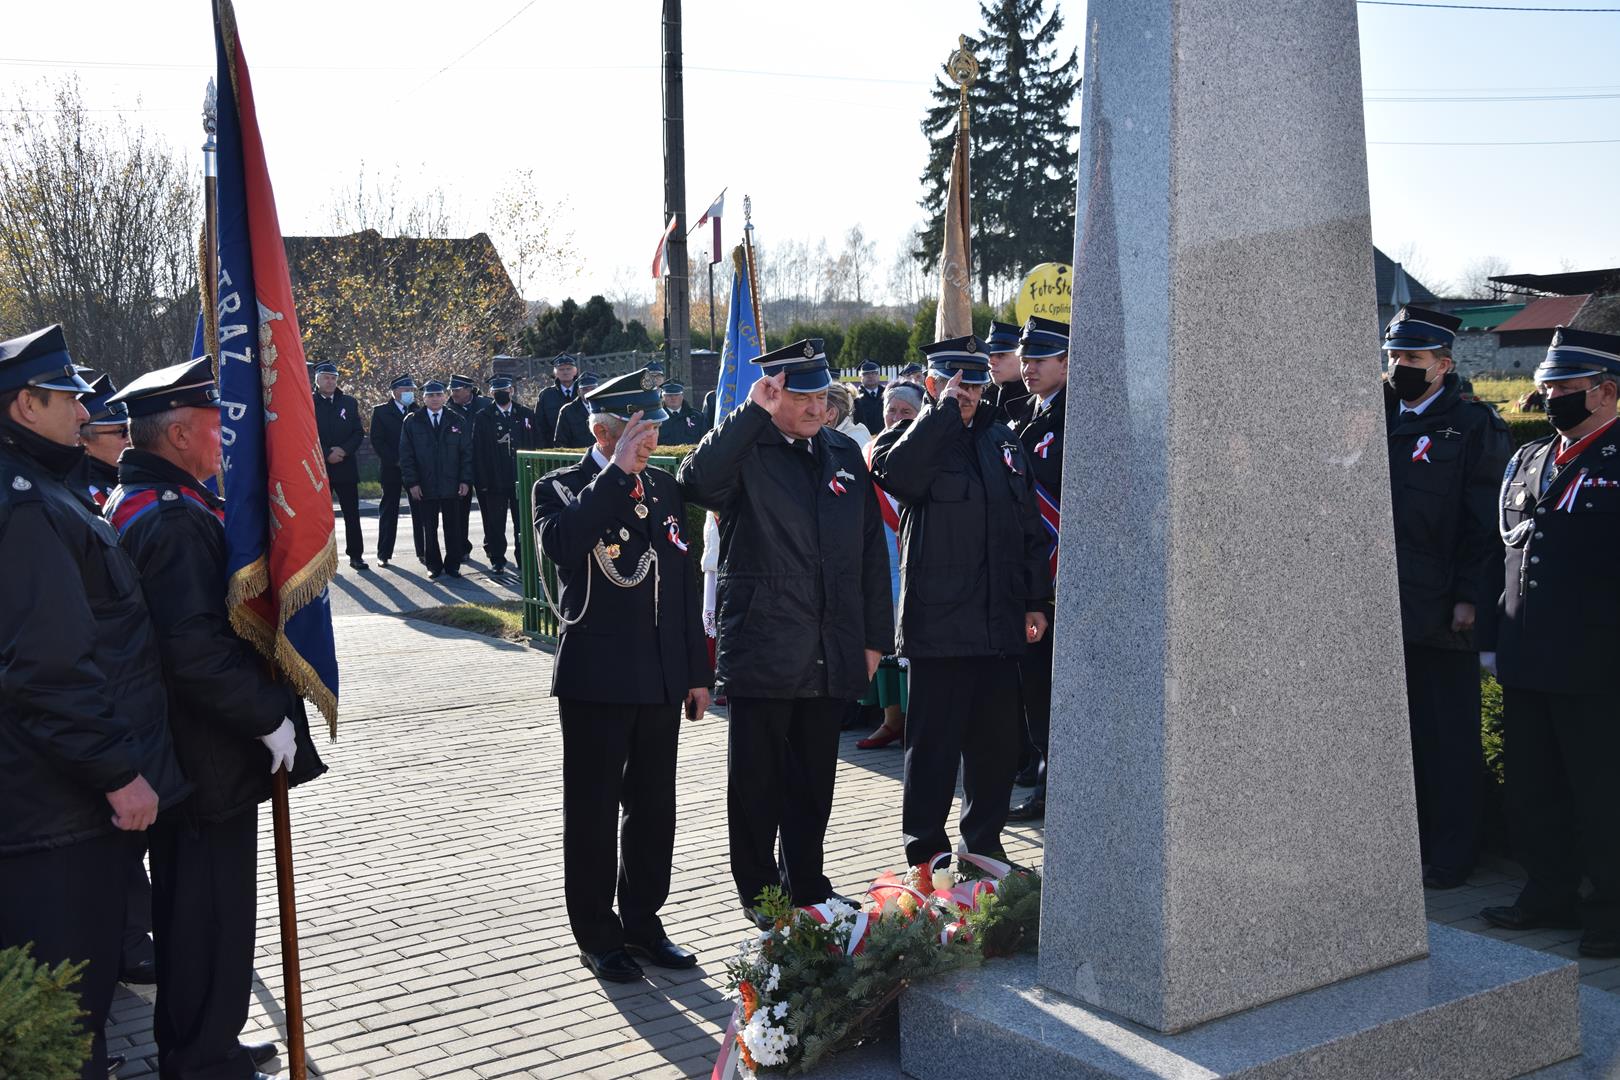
100, 430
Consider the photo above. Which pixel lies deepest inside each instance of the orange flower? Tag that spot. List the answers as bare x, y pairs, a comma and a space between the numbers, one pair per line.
750, 1002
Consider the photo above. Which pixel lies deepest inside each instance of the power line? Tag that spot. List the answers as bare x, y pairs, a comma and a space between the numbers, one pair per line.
1494, 100
1489, 7
1536, 142
474, 48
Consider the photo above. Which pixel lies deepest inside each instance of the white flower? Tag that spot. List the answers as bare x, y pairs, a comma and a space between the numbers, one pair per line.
767, 1043
841, 910
775, 980
780, 1010
944, 879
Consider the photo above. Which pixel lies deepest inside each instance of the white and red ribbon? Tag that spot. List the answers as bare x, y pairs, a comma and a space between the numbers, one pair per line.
835, 487
1420, 452
675, 536
1572, 494
1045, 444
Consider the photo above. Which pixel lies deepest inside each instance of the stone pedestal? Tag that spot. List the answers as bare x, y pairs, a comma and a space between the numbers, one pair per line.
1230, 819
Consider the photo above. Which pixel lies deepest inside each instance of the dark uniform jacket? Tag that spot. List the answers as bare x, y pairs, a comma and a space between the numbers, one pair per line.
552, 400
1560, 612
804, 570
93, 479
1009, 402
338, 421
476, 404
497, 437
386, 422
640, 645
974, 550
683, 428
222, 698
438, 458
1042, 435
82, 707
869, 406
573, 427
1445, 469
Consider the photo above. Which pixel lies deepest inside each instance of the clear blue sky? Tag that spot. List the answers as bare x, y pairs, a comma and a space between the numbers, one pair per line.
813, 109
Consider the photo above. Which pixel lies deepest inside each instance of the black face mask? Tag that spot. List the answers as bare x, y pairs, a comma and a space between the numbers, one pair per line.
503, 397
1410, 383
1568, 410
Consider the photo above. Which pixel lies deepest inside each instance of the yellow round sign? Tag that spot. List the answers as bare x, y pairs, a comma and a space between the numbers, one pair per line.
1045, 292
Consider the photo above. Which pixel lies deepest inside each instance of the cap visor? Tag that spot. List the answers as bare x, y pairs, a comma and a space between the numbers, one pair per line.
71, 384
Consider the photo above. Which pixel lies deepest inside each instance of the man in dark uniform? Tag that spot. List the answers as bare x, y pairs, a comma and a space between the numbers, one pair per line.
84, 747
869, 397
436, 462
631, 652
337, 418
1006, 396
804, 612
573, 420
911, 373
103, 437
684, 426
1043, 357
708, 408
1446, 454
499, 432
233, 725
974, 592
1555, 647
655, 372
387, 418
565, 370
465, 399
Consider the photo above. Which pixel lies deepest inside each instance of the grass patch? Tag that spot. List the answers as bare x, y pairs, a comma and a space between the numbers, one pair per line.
1503, 393
371, 489
503, 619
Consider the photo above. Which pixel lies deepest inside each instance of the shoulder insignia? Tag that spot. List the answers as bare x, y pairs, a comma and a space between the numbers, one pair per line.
1449, 432
562, 491
21, 483
169, 496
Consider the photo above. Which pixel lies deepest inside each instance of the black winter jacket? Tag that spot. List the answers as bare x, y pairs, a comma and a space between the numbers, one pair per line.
386, 421
546, 409
497, 437
804, 570
974, 554
82, 707
439, 459
337, 419
221, 695
573, 427
1445, 469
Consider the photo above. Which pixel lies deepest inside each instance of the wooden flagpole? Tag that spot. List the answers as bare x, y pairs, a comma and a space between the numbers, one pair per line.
292, 991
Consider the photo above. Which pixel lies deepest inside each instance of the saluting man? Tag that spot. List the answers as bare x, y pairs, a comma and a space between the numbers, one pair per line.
974, 592
1446, 454
499, 432
1043, 363
387, 418
632, 652
1556, 646
233, 725
104, 436
436, 462
337, 417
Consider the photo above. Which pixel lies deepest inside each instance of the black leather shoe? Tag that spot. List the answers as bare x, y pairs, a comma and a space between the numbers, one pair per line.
663, 953
1600, 944
143, 973
757, 917
614, 965
453, 574
1515, 917
259, 1053
1031, 809
1443, 879
263, 1076
359, 564
1029, 775
114, 1063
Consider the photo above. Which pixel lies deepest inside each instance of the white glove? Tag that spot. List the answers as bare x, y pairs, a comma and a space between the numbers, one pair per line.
283, 746
1487, 660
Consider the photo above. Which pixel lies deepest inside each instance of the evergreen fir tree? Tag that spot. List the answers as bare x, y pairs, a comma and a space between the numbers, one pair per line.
1023, 156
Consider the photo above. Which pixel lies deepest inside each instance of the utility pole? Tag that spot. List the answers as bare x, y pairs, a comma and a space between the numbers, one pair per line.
677, 288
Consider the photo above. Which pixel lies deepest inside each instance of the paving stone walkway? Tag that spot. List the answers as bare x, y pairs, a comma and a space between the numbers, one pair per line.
430, 882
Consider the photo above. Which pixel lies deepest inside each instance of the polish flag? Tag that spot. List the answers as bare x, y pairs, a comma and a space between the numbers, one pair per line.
660, 266
713, 213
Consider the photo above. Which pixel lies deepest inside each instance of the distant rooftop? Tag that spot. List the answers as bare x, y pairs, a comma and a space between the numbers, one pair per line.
1545, 313
1572, 283
1487, 317
1384, 278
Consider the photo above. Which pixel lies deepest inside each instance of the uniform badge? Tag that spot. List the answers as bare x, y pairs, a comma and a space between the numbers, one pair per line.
648, 380
169, 496
641, 510
612, 551
842, 475
1450, 433
809, 351
21, 484
624, 534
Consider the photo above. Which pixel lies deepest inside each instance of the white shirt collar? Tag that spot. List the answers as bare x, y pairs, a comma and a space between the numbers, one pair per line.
434, 416
1417, 410
596, 456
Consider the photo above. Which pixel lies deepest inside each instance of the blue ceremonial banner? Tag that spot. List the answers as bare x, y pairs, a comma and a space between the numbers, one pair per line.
280, 548
742, 348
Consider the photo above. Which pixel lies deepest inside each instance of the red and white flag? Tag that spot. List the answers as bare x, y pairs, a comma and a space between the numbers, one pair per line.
713, 213
660, 267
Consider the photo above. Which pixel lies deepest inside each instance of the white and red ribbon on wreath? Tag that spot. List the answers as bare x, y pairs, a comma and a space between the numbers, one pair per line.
1420, 452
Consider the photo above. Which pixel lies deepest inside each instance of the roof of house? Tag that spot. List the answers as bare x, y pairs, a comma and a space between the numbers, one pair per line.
1600, 314
1486, 317
1545, 313
1571, 283
1384, 275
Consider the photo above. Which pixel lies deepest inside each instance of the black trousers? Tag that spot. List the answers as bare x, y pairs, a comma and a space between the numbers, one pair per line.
1035, 672
781, 762
1562, 756
138, 911
464, 508
448, 511
69, 901
1448, 762
963, 710
495, 506
348, 496
388, 515
618, 819
204, 893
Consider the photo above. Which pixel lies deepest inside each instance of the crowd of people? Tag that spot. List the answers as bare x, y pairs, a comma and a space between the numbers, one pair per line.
889, 544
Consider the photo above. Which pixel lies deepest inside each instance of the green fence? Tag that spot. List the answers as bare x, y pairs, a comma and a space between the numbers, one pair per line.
539, 621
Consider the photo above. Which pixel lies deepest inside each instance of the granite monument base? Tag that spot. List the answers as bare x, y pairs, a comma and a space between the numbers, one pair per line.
1473, 1009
